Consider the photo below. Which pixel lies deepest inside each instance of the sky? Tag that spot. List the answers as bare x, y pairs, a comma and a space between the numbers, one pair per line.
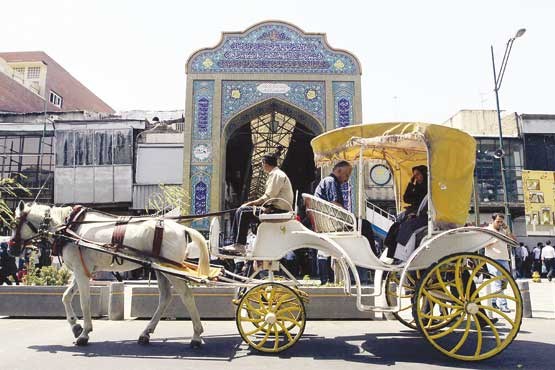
421, 60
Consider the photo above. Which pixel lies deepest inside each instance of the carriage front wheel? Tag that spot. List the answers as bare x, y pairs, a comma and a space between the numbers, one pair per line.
271, 317
477, 304
405, 295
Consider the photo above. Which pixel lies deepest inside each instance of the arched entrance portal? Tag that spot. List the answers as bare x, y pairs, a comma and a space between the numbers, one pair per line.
260, 130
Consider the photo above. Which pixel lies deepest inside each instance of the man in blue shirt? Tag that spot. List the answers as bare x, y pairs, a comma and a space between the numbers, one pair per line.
329, 187
330, 190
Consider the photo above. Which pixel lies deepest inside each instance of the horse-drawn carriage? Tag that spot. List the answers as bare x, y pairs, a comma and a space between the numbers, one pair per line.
444, 288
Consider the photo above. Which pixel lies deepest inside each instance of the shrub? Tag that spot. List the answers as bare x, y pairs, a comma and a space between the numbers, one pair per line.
47, 275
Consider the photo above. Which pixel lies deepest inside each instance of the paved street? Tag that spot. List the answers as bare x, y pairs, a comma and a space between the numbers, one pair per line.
47, 344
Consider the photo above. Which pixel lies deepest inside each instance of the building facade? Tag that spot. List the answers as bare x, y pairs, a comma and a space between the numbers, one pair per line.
271, 86
32, 81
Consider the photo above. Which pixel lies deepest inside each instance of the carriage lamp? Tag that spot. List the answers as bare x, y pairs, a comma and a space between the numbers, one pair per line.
498, 79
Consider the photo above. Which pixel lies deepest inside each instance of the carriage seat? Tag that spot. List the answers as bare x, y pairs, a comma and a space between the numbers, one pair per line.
326, 217
277, 216
403, 252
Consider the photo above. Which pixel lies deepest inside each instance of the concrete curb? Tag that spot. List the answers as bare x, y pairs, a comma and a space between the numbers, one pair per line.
46, 301
216, 303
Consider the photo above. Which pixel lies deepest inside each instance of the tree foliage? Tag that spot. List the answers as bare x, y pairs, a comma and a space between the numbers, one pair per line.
170, 197
12, 188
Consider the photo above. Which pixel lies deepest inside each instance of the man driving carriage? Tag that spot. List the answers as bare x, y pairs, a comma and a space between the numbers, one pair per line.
277, 198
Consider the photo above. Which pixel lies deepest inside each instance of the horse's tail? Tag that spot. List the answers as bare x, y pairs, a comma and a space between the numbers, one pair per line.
204, 257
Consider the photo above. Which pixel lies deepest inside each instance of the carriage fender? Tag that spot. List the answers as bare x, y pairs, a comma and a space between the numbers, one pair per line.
468, 239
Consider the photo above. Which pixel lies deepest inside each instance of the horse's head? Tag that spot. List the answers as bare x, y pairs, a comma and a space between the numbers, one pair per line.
28, 223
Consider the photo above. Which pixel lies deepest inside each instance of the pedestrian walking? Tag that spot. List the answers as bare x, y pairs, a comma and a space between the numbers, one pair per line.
499, 252
525, 256
519, 260
537, 253
548, 259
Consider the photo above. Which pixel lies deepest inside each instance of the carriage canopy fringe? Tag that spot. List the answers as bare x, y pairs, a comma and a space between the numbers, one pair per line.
405, 145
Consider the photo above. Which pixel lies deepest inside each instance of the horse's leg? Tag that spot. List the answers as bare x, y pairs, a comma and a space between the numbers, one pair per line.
85, 296
164, 287
67, 298
186, 295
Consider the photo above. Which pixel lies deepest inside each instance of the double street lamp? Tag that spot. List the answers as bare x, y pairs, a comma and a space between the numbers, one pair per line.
498, 79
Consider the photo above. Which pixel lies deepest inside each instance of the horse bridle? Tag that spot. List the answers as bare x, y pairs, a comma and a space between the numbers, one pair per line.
38, 233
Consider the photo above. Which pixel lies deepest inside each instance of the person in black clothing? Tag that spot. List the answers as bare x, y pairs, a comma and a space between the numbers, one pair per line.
7, 266
408, 221
416, 189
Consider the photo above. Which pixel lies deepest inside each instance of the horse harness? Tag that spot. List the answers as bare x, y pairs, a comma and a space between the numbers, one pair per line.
68, 232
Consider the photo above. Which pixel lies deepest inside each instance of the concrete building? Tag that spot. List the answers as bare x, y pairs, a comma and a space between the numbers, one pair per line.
32, 81
483, 125
538, 134
159, 163
95, 162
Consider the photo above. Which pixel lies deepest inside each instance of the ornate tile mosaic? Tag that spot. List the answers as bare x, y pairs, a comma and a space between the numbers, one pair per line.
203, 102
274, 47
343, 95
306, 95
200, 193
201, 151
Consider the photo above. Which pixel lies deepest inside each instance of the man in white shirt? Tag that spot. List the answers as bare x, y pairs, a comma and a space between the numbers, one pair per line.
277, 198
548, 258
499, 251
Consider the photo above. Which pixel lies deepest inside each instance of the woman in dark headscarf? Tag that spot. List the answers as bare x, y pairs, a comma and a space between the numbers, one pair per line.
416, 189
409, 220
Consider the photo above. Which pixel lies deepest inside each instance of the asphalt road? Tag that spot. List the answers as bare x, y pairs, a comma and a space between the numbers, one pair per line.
47, 344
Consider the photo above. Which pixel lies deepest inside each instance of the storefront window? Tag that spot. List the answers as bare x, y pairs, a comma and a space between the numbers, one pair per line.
488, 170
20, 158
123, 147
83, 148
103, 148
65, 148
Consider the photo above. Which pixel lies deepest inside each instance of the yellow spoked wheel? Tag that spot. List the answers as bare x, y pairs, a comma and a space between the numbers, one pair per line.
404, 315
270, 317
464, 323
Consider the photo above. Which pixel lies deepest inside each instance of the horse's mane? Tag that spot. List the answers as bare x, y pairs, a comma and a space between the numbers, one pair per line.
58, 214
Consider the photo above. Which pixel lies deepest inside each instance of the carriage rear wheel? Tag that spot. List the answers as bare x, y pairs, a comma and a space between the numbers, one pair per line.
462, 288
271, 317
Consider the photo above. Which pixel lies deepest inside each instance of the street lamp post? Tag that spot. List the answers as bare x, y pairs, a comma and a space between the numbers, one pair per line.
498, 79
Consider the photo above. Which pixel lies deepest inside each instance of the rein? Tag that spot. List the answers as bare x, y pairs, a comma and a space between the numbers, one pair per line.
138, 219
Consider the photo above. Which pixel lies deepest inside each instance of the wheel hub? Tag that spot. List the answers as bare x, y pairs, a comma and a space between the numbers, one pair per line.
472, 308
270, 318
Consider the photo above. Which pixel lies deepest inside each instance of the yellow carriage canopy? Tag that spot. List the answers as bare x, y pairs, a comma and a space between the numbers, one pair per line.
452, 156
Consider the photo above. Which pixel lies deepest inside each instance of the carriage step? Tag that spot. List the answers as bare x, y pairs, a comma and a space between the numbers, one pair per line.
379, 309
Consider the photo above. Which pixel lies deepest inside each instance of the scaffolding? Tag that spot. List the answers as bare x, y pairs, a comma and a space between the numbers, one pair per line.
269, 132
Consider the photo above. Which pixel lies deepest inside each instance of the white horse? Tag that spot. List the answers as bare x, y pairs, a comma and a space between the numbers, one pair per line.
83, 261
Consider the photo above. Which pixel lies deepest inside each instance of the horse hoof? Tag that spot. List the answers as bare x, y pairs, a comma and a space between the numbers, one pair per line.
82, 341
195, 344
77, 330
143, 339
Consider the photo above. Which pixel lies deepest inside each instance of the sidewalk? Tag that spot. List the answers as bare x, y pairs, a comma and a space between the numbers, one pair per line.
542, 296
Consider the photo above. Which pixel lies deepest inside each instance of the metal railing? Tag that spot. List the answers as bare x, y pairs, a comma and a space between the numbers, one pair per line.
382, 212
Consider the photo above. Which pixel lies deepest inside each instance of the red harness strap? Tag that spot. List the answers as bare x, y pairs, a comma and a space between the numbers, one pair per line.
158, 237
76, 215
119, 231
